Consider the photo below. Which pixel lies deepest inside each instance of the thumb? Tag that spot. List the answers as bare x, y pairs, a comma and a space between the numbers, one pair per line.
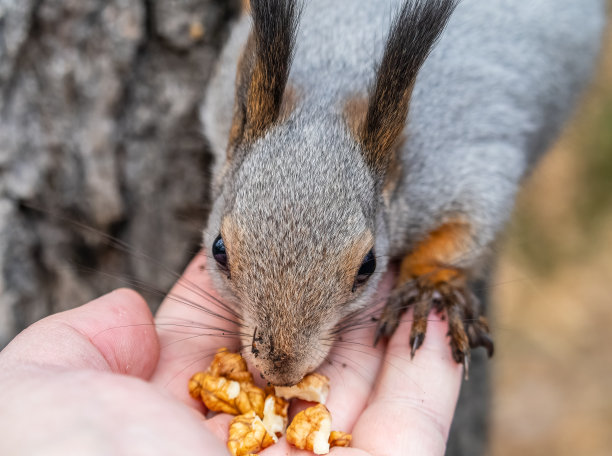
113, 333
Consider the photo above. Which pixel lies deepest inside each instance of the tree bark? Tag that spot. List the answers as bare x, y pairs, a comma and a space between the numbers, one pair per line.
99, 126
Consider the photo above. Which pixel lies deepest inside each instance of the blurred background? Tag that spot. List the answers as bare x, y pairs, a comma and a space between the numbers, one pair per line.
552, 372
109, 91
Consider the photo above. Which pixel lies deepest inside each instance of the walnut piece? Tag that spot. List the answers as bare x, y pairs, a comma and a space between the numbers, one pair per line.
195, 385
313, 388
250, 398
230, 365
218, 393
339, 439
227, 386
275, 415
228, 396
247, 435
310, 430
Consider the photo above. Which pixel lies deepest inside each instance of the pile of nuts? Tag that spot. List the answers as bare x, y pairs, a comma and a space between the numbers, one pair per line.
261, 415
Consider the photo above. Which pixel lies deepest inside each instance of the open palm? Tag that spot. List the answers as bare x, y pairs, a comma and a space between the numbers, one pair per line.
102, 379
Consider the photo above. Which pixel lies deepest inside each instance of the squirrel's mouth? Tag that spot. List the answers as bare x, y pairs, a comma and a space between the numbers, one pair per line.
288, 371
282, 353
289, 374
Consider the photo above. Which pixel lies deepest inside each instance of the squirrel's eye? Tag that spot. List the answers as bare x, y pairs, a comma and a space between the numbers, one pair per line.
368, 266
219, 253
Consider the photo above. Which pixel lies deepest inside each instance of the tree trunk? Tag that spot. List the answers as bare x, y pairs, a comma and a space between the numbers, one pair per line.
99, 126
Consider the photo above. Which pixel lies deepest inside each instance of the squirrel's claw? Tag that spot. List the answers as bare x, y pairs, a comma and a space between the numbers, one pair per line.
478, 333
385, 328
381, 330
466, 328
466, 367
398, 302
416, 342
422, 307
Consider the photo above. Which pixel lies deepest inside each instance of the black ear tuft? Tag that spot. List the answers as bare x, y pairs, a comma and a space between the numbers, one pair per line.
414, 31
264, 68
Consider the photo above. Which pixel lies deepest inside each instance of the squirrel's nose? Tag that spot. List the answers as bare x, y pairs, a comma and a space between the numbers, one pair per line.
280, 362
286, 378
281, 368
280, 359
271, 349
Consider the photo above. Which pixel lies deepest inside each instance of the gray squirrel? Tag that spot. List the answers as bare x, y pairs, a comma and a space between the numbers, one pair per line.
352, 134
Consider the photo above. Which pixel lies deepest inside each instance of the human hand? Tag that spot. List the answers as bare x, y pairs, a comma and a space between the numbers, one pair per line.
100, 379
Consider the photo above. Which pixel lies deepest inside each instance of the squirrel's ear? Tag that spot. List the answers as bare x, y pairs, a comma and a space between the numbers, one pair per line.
413, 33
263, 69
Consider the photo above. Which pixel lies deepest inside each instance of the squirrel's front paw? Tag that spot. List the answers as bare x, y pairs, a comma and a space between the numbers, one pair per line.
467, 328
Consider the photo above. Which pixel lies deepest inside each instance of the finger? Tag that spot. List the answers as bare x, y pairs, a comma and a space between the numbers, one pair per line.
282, 448
112, 333
219, 426
192, 324
412, 407
354, 363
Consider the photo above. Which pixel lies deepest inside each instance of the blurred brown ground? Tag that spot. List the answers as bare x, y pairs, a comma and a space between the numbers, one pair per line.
553, 294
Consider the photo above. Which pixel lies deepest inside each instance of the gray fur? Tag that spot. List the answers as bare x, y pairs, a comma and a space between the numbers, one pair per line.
488, 101
300, 208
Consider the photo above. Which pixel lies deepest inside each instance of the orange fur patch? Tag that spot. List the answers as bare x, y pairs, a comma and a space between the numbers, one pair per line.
434, 259
355, 111
261, 109
246, 7
232, 237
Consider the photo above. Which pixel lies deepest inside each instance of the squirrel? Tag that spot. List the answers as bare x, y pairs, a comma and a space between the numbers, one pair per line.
348, 137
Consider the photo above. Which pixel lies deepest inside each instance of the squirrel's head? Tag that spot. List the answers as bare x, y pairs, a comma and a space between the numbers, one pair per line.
298, 228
